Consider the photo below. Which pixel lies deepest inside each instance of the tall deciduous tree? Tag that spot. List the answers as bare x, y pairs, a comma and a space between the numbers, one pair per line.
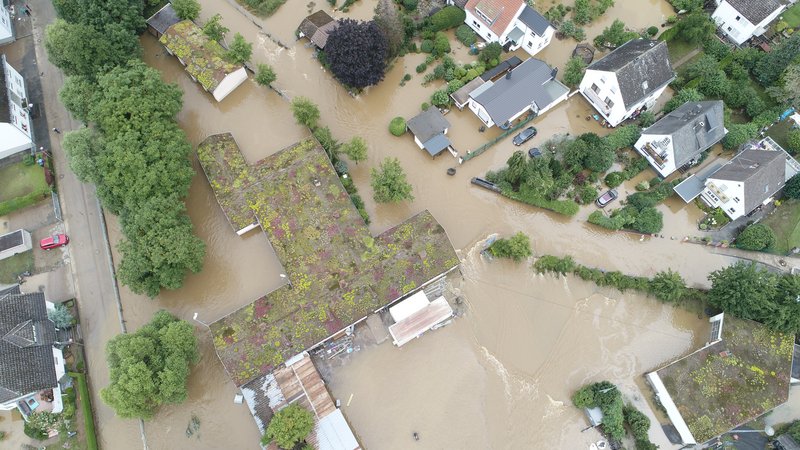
771, 65
265, 75
240, 50
668, 286
683, 96
696, 27
756, 237
186, 9
305, 112
98, 13
390, 22
76, 94
573, 73
389, 182
516, 168
356, 149
149, 368
743, 290
357, 52
214, 29
289, 426
79, 49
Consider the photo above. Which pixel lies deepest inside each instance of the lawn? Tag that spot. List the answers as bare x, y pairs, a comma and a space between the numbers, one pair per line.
11, 267
785, 222
792, 16
678, 49
18, 179
86, 409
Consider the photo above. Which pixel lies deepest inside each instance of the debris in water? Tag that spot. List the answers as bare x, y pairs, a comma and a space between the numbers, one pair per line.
194, 427
349, 399
416, 436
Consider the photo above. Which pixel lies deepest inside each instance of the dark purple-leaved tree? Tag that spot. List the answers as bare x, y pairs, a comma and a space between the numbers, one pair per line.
356, 52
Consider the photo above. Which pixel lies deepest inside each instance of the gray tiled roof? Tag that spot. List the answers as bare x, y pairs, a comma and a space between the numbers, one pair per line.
428, 124
641, 66
694, 127
762, 172
163, 19
26, 341
532, 82
755, 10
534, 20
317, 27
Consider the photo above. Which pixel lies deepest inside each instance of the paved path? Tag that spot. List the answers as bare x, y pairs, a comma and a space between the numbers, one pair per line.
91, 272
686, 58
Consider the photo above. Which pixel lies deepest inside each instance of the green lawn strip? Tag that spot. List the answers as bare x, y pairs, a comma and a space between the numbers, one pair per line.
86, 409
678, 49
18, 179
785, 222
792, 16
15, 265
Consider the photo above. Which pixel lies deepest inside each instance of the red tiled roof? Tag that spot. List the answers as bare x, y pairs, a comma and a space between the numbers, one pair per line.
499, 12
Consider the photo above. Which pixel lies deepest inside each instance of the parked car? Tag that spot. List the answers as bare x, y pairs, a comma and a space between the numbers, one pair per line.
56, 240
606, 198
535, 153
524, 135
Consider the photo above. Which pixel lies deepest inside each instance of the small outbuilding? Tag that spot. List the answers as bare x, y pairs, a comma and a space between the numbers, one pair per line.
317, 27
158, 23
429, 129
15, 242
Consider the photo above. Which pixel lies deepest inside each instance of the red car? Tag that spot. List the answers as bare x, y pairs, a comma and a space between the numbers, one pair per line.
54, 241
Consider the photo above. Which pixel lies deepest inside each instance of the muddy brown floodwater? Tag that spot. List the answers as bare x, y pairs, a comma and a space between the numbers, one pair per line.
500, 377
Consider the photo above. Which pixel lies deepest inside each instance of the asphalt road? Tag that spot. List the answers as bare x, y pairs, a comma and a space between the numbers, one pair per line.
91, 271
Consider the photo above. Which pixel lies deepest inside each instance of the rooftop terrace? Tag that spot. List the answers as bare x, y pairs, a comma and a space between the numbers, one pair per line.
338, 272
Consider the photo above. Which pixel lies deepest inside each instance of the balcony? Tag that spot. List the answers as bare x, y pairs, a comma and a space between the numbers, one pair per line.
653, 153
600, 105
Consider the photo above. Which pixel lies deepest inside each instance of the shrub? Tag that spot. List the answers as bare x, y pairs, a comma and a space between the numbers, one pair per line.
623, 137
447, 17
793, 141
517, 247
652, 31
440, 98
756, 237
716, 48
668, 286
649, 220
614, 179
643, 186
426, 46
573, 73
646, 119
397, 126
289, 426
465, 35
490, 52
410, 5
60, 316
305, 112
24, 201
565, 207
638, 423
265, 75
422, 68
586, 194
611, 223
550, 263
584, 397
425, 106
441, 44
792, 188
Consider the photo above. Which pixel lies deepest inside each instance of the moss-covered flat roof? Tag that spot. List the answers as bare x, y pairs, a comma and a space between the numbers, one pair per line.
204, 57
338, 272
732, 381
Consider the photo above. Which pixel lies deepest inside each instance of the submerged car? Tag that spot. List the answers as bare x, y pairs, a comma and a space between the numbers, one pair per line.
535, 153
56, 240
606, 198
524, 135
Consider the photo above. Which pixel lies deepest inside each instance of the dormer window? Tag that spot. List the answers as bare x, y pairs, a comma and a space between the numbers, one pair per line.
483, 16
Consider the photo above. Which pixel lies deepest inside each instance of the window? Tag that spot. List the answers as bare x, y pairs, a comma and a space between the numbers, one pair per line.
483, 16
732, 210
736, 199
603, 79
609, 103
729, 28
475, 22
595, 88
738, 17
530, 44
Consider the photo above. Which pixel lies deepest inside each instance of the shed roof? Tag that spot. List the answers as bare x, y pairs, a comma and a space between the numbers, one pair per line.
461, 96
163, 19
501, 68
26, 344
428, 124
693, 128
204, 58
761, 171
532, 82
317, 27
534, 20
11, 240
641, 65
436, 144
499, 12
695, 184
755, 11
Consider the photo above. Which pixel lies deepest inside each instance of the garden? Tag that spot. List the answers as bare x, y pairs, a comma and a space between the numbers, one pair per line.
785, 223
22, 184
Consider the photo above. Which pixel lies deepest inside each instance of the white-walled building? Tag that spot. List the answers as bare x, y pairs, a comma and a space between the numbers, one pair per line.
742, 19
430, 129
512, 23
682, 135
15, 121
14, 243
531, 86
628, 80
6, 26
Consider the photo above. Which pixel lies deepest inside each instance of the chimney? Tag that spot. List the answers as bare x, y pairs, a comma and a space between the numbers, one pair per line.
508, 75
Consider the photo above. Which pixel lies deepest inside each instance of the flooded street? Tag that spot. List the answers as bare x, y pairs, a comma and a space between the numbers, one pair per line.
500, 377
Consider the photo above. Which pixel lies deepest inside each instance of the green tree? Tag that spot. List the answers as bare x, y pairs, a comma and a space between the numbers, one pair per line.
356, 149
771, 66
687, 5
186, 9
685, 95
573, 73
517, 247
97, 13
397, 126
265, 76
82, 148
389, 182
756, 237
60, 316
646, 119
792, 188
447, 17
615, 35
214, 29
668, 286
490, 52
696, 27
517, 165
76, 95
79, 49
743, 290
738, 134
305, 112
288, 427
793, 141
149, 368
584, 397
599, 159
649, 220
390, 21
240, 51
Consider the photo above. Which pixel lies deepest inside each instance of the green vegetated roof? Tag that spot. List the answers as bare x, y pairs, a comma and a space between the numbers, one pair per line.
732, 381
204, 57
338, 272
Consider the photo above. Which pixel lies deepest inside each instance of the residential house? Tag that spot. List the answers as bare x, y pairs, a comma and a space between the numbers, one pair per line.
742, 373
31, 364
429, 129
317, 27
740, 20
14, 243
529, 87
512, 23
627, 80
6, 26
461, 96
203, 58
682, 135
164, 18
750, 179
15, 121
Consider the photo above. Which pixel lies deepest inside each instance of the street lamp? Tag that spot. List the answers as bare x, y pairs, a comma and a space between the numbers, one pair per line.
200, 321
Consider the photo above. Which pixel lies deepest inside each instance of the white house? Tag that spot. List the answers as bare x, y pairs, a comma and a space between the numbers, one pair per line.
512, 23
6, 26
429, 129
627, 80
742, 19
750, 179
15, 121
531, 86
30, 363
682, 135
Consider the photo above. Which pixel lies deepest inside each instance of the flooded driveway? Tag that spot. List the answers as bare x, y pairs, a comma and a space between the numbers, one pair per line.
500, 377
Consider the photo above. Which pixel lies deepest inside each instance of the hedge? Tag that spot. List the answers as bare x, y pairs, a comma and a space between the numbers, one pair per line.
565, 207
448, 17
86, 408
24, 201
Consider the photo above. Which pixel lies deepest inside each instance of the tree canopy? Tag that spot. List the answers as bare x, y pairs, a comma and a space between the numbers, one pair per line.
79, 49
214, 29
149, 368
289, 426
305, 112
668, 286
573, 73
517, 247
357, 52
240, 51
265, 76
389, 182
186, 9
756, 237
696, 27
356, 149
792, 188
98, 13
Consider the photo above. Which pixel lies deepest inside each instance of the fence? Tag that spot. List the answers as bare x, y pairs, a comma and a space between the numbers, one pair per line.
494, 141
